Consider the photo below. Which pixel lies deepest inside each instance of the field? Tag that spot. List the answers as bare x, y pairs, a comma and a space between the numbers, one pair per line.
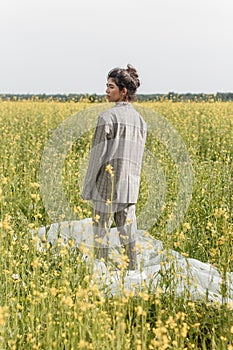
48, 300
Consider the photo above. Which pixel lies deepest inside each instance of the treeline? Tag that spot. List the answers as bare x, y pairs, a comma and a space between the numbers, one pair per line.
171, 96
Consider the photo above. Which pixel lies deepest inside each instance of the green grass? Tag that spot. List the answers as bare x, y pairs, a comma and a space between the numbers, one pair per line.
47, 298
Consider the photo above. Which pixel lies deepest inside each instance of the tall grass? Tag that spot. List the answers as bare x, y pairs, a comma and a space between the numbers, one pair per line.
48, 300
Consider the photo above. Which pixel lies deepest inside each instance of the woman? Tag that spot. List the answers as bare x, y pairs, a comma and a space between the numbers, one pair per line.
113, 176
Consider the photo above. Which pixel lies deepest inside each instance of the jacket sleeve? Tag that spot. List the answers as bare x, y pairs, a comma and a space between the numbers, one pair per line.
98, 156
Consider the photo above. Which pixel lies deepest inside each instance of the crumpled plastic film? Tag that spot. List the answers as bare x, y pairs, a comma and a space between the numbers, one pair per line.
157, 267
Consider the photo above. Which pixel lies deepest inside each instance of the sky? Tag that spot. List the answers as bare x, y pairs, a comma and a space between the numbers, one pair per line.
56, 46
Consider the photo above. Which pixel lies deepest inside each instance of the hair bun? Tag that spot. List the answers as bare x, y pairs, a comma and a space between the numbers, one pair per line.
134, 75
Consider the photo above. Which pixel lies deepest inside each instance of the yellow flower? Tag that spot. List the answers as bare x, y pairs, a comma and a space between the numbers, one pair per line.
220, 213
34, 184
108, 202
19, 307
53, 291
68, 301
184, 330
83, 344
139, 310
96, 218
5, 225
3, 314
109, 169
187, 225
35, 196
209, 225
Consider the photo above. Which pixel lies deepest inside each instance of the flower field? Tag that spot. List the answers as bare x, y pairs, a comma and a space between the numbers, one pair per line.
48, 298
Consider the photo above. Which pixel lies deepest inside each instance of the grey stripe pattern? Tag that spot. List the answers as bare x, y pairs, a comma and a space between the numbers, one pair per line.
119, 140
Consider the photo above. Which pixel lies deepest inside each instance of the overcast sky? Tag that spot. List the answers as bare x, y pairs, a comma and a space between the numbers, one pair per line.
56, 46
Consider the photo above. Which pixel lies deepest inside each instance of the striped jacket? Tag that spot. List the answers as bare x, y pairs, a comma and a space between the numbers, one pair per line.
119, 142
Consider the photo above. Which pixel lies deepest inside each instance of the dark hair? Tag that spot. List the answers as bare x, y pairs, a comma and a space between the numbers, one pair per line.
126, 78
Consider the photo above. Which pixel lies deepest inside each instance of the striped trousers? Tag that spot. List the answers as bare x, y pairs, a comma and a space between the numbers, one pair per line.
124, 217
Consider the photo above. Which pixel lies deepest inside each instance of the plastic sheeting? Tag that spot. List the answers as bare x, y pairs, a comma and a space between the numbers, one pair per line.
157, 267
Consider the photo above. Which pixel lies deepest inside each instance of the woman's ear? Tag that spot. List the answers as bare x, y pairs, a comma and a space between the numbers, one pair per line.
124, 91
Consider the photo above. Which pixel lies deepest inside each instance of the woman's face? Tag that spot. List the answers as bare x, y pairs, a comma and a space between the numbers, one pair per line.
113, 92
